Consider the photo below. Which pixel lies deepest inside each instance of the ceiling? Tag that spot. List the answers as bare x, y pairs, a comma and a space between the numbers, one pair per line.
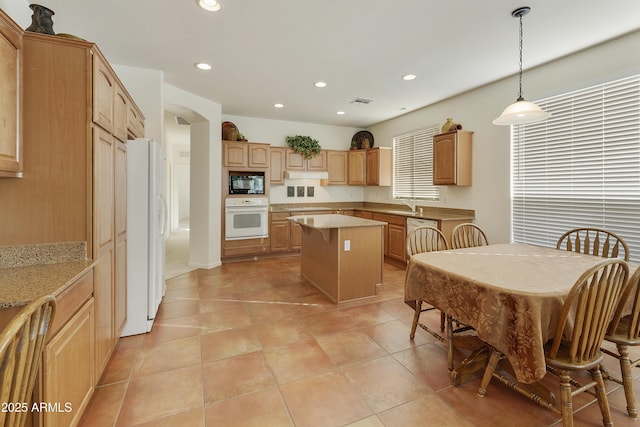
266, 52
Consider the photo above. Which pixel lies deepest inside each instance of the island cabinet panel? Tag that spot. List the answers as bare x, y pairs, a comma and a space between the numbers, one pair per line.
10, 97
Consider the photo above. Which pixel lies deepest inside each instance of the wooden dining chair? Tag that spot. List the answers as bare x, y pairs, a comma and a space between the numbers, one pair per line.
420, 240
468, 235
594, 241
589, 308
624, 332
21, 346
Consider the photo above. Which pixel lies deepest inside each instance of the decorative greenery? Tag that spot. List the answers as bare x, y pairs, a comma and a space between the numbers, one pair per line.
304, 145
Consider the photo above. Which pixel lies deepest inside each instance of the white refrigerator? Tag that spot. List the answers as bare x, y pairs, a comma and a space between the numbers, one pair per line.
146, 234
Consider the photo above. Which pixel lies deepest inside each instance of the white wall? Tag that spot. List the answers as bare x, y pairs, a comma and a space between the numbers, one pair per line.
275, 132
489, 195
19, 11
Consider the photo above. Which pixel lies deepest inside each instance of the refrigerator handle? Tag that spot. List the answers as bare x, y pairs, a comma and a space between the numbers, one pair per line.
163, 216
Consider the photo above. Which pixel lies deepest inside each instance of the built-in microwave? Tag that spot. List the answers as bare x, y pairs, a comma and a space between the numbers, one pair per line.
246, 182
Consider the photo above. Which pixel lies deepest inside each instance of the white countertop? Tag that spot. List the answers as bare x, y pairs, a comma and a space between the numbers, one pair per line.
334, 221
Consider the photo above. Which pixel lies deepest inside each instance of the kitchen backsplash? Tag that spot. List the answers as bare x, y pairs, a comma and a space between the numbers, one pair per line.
44, 253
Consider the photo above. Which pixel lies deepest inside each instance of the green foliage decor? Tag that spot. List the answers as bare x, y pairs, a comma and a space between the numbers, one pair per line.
304, 145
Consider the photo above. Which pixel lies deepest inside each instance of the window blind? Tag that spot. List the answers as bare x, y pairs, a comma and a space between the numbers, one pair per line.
413, 165
581, 167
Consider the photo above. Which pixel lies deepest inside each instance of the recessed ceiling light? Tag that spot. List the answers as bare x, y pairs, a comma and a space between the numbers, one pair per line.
209, 5
320, 84
409, 77
278, 105
203, 66
340, 113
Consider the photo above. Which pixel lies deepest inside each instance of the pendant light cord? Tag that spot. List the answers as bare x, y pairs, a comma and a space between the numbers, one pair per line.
520, 97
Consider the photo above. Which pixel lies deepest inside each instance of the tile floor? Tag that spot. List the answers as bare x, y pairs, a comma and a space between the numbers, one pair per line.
252, 344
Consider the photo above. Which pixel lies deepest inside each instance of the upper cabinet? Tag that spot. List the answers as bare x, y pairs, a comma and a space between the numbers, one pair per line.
295, 161
357, 167
379, 166
276, 165
337, 167
104, 89
452, 158
245, 155
10, 97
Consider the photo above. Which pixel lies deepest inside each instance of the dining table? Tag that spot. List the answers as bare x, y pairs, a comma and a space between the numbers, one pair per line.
510, 294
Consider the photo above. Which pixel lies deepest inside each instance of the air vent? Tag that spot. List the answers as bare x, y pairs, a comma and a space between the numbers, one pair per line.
363, 101
181, 121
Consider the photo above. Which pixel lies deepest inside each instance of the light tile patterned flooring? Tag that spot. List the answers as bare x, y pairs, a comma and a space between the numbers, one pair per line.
253, 344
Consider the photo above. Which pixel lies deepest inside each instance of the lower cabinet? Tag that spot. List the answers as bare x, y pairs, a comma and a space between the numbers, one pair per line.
395, 235
286, 236
69, 370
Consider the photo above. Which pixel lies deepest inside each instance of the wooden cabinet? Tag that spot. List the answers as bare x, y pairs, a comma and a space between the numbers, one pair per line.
245, 155
120, 111
286, 236
357, 167
67, 373
73, 187
452, 158
104, 89
68, 369
296, 162
379, 169
276, 165
10, 97
135, 121
337, 168
395, 235
120, 267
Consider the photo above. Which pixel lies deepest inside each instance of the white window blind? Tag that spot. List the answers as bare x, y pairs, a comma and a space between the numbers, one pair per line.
581, 167
413, 165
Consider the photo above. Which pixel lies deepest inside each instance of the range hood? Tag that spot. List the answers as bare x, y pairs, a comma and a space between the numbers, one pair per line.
306, 175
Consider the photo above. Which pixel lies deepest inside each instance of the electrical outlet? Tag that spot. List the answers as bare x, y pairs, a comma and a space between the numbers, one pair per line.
347, 245
300, 191
291, 191
310, 191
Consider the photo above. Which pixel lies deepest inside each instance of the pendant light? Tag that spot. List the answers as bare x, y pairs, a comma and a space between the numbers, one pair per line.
521, 111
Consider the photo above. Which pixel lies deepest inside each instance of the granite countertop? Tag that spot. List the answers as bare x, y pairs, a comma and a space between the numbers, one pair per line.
21, 285
334, 221
442, 214
30, 271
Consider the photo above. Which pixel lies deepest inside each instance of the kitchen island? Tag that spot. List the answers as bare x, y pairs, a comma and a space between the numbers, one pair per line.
342, 255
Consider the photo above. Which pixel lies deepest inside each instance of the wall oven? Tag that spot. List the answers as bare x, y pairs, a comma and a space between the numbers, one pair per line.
246, 218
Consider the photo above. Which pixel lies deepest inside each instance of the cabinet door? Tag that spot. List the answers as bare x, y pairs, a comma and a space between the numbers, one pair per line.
104, 86
68, 369
258, 155
135, 122
120, 111
235, 154
444, 155
121, 237
104, 244
318, 162
357, 167
337, 167
279, 236
293, 160
10, 97
276, 165
397, 236
373, 158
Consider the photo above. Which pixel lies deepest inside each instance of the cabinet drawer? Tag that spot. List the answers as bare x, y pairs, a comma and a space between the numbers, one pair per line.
70, 301
391, 219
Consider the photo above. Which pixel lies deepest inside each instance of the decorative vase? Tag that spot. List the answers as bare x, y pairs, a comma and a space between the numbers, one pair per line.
447, 125
229, 131
41, 21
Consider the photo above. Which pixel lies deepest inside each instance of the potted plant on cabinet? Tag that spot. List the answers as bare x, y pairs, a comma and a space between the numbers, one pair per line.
304, 145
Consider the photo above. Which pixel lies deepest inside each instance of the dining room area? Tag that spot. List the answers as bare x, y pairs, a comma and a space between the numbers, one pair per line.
253, 342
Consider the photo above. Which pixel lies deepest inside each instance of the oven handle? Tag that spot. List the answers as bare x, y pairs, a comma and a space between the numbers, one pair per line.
246, 209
